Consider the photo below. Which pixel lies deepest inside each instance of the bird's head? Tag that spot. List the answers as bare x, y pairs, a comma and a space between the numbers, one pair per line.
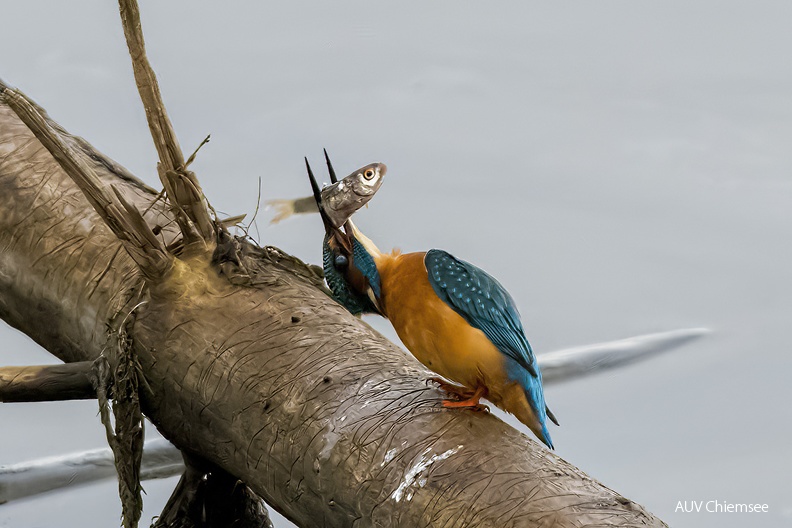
348, 256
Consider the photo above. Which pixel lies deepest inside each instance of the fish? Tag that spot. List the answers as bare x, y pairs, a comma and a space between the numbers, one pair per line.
340, 200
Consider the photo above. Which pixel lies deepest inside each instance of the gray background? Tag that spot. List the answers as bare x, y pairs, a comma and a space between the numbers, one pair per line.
622, 167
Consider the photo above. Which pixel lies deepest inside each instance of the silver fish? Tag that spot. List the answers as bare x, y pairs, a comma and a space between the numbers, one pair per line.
340, 199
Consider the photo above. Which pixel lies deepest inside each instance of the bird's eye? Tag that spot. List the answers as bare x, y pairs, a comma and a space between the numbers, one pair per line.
341, 262
369, 174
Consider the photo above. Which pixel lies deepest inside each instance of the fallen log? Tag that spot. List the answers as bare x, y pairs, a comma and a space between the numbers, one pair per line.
250, 365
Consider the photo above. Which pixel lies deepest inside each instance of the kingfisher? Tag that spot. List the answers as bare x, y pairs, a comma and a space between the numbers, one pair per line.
455, 318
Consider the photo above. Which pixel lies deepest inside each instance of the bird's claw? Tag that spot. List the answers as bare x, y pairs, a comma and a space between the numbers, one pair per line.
450, 404
458, 391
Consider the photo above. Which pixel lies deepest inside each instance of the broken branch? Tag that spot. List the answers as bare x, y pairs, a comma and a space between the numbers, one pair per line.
127, 224
181, 185
41, 383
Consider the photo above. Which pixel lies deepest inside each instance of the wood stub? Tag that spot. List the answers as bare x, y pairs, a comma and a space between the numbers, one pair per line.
184, 192
162, 132
70, 381
208, 497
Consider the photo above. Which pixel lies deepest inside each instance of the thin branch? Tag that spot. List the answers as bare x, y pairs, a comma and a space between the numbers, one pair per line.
204, 488
47, 383
256, 212
195, 152
170, 153
126, 222
232, 220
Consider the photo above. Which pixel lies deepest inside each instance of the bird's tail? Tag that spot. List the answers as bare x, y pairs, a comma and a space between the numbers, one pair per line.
545, 436
536, 423
524, 400
536, 413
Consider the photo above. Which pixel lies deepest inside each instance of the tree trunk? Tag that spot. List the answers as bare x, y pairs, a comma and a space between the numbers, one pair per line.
249, 365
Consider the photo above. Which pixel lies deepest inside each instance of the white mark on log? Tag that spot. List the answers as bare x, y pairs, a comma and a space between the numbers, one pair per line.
330, 440
389, 456
87, 224
419, 467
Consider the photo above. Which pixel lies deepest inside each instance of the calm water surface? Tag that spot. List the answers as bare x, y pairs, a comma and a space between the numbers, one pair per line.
623, 168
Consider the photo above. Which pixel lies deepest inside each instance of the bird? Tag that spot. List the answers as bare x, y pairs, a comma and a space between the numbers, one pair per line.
336, 203
454, 317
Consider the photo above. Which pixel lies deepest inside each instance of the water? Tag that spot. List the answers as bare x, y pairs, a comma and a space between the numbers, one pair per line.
622, 168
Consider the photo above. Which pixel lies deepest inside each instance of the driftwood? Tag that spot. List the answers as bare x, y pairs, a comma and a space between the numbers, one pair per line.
244, 362
254, 368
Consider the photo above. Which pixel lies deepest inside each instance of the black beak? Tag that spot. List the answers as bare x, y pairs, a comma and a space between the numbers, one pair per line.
333, 178
317, 194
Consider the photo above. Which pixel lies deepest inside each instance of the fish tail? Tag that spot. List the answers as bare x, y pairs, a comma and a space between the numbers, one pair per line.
283, 209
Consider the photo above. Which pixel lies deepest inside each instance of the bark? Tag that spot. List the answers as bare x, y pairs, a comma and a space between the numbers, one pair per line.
249, 365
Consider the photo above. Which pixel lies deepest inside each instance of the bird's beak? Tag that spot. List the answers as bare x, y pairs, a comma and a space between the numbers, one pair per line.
317, 195
333, 178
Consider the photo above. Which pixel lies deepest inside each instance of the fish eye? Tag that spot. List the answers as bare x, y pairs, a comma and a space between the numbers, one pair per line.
368, 174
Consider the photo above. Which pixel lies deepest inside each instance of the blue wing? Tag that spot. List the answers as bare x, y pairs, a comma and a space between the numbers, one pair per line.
482, 302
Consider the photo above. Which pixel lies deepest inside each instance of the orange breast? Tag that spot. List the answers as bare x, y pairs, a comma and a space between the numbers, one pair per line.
435, 334
442, 340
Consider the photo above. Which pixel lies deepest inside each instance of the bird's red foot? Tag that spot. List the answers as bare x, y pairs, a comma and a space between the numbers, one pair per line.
450, 404
472, 402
